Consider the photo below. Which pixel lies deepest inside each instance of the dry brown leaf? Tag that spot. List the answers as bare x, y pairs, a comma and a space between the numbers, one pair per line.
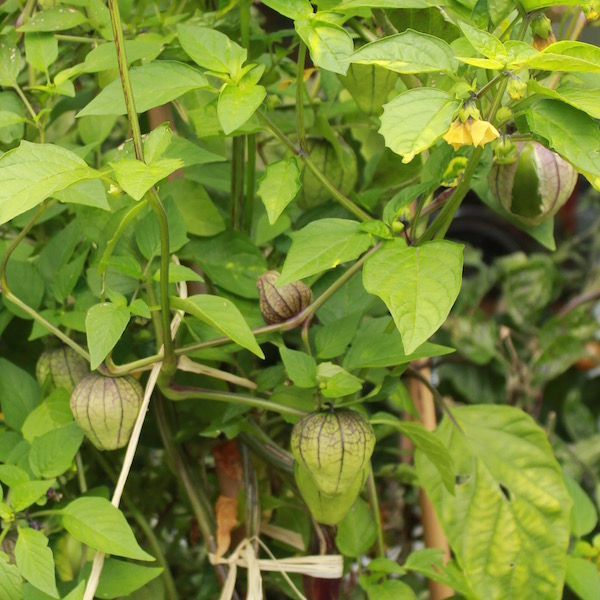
226, 513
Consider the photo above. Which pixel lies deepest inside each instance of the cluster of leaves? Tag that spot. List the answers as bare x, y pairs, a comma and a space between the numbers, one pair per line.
345, 173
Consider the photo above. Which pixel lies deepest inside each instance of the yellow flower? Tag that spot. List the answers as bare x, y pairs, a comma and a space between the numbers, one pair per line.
473, 132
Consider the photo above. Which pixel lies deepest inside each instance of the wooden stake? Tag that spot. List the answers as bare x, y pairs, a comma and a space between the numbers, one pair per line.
432, 530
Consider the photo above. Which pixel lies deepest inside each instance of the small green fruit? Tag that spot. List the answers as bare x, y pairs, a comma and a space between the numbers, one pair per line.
105, 408
63, 365
329, 510
334, 447
280, 304
535, 186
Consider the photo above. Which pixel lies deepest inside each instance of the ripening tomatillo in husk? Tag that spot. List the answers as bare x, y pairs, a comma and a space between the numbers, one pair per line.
280, 304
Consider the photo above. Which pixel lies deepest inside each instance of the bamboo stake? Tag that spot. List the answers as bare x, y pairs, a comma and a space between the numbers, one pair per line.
432, 530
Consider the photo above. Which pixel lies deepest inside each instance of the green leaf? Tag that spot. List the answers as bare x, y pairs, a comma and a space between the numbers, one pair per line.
137, 177
323, 245
52, 453
569, 132
11, 475
373, 347
386, 565
301, 368
292, 9
332, 339
414, 120
11, 586
19, 394
119, 579
237, 104
179, 273
223, 315
531, 5
568, 56
419, 285
147, 233
11, 63
582, 577
35, 560
100, 525
26, 284
41, 50
426, 442
587, 100
58, 18
89, 192
231, 261
190, 153
211, 49
485, 43
153, 84
408, 52
584, 515
346, 4
104, 325
53, 412
329, 44
33, 172
336, 382
24, 494
279, 186
389, 589
509, 485
357, 531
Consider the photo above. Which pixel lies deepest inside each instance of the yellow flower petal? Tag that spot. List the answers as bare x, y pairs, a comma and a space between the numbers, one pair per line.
483, 132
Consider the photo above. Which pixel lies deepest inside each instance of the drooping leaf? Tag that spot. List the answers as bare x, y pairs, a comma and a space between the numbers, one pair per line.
41, 50
97, 523
279, 186
226, 511
35, 560
153, 84
414, 120
407, 52
53, 412
322, 245
587, 100
104, 325
25, 493
509, 484
223, 315
33, 172
418, 285
485, 43
584, 515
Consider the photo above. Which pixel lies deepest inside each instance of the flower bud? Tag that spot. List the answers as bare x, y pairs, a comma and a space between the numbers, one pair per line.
105, 408
543, 35
516, 88
506, 151
280, 304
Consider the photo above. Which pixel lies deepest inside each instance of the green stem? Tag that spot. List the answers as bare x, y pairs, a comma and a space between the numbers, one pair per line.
251, 495
26, 103
245, 22
300, 126
237, 182
374, 500
5, 289
153, 199
250, 182
365, 33
384, 22
310, 165
200, 505
76, 38
180, 392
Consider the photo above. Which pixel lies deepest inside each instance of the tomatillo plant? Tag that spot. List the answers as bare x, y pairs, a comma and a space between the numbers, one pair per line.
231, 243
